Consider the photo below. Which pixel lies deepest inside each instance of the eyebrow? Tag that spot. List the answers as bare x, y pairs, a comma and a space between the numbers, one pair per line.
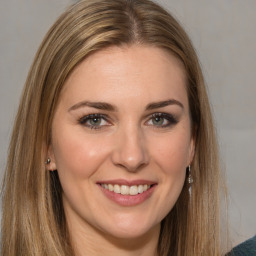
109, 107
164, 103
97, 105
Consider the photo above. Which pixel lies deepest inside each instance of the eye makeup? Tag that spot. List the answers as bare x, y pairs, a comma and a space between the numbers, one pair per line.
156, 120
162, 120
94, 121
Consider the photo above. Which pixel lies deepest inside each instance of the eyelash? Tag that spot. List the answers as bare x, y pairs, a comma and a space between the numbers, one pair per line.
85, 119
171, 120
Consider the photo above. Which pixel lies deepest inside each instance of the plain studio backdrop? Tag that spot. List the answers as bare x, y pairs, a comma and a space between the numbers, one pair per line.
224, 35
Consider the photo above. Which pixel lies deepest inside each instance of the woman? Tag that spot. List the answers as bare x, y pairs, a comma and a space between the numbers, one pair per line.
113, 150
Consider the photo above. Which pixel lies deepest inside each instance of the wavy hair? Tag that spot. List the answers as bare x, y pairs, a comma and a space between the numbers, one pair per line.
33, 221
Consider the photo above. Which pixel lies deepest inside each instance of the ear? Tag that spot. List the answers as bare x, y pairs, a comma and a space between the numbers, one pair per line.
51, 166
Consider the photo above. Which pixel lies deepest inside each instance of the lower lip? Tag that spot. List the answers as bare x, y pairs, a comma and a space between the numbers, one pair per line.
128, 200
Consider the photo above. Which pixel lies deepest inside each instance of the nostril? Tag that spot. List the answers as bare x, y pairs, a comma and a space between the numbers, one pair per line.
135, 167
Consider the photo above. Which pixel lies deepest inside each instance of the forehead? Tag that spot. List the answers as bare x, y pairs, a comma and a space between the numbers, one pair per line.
137, 71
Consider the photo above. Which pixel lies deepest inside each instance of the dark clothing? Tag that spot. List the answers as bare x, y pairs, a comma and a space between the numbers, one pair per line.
247, 248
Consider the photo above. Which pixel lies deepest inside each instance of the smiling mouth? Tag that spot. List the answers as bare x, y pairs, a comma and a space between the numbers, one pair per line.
126, 190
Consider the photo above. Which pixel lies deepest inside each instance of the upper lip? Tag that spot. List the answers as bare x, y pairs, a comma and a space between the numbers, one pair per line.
127, 182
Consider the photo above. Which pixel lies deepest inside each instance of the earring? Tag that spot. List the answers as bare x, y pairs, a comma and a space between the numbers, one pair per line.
190, 177
190, 181
47, 161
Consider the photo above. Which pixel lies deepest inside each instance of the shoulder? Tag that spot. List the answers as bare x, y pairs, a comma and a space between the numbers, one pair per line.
247, 248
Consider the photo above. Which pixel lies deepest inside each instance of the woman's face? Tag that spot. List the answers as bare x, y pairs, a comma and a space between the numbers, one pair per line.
121, 140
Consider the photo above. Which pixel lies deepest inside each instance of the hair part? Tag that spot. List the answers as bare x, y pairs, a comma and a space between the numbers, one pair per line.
33, 221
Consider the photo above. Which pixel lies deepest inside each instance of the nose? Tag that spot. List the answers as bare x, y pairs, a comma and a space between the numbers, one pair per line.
130, 151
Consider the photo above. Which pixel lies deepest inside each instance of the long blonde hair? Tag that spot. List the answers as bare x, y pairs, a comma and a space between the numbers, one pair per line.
33, 221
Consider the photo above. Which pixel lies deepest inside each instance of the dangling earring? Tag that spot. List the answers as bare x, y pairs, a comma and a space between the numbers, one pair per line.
190, 180
47, 161
190, 177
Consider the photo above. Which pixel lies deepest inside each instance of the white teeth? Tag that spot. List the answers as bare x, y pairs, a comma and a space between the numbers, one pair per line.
110, 187
133, 190
126, 190
117, 189
140, 189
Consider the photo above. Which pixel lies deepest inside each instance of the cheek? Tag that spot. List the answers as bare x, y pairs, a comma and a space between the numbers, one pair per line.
170, 154
77, 154
173, 153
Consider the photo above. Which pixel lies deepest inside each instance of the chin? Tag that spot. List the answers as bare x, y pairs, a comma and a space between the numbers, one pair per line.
132, 230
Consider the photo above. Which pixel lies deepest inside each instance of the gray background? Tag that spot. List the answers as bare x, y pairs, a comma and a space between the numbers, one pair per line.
223, 32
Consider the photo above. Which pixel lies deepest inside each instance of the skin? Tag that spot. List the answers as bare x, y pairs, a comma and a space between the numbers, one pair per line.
129, 144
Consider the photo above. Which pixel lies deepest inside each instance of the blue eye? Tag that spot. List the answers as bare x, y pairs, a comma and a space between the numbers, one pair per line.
162, 120
94, 121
